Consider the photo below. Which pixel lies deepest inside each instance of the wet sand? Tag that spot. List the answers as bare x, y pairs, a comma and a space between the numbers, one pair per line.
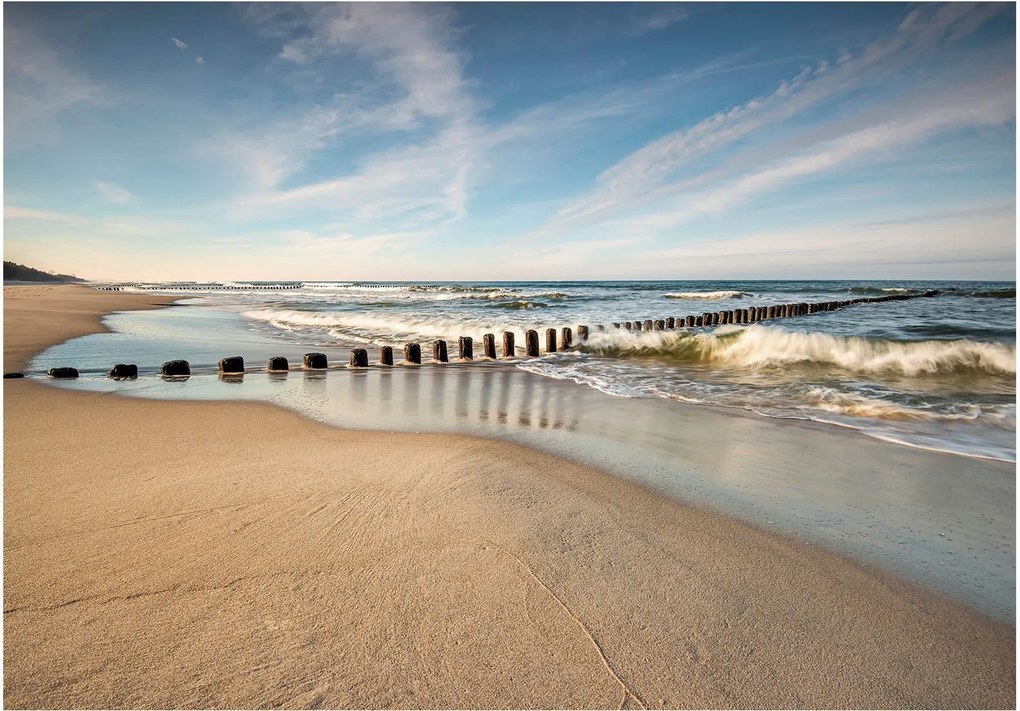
167, 554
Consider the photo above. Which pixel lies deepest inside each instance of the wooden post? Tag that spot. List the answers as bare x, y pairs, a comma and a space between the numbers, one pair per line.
508, 345
467, 348
531, 343
660, 325
386, 355
550, 340
123, 371
602, 328
582, 334
637, 325
724, 317
412, 353
647, 325
66, 373
232, 364
489, 345
315, 361
616, 325
706, 319
566, 337
715, 319
690, 321
359, 358
628, 325
671, 323
700, 320
745, 317
171, 367
439, 352
277, 364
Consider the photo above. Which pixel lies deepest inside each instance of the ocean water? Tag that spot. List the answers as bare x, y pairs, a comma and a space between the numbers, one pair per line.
937, 373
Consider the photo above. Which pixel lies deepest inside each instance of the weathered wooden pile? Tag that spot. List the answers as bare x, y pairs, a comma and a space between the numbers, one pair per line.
555, 340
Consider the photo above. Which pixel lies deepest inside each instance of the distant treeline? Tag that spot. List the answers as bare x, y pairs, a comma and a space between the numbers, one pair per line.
19, 272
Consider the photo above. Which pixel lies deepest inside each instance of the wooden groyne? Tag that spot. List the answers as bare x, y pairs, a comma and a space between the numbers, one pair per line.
554, 340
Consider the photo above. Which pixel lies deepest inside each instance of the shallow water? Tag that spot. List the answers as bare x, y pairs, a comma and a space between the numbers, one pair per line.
934, 373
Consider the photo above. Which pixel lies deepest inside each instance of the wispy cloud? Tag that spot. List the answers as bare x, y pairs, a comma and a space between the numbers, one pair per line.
199, 60
179, 44
986, 103
39, 88
113, 192
418, 86
640, 175
660, 16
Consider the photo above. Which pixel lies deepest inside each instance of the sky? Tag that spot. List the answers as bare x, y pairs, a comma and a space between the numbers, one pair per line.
193, 141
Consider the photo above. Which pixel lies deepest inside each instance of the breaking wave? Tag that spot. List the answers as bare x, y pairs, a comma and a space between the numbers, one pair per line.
769, 346
706, 295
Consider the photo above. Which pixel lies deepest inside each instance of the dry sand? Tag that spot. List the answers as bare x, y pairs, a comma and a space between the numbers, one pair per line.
162, 554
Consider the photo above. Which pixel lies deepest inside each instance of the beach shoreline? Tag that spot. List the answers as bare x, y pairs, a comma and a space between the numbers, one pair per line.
302, 565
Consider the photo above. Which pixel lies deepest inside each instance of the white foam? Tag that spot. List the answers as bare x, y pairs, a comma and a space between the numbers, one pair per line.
706, 295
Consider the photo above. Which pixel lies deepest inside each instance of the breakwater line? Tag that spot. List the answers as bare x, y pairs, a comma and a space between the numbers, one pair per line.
554, 340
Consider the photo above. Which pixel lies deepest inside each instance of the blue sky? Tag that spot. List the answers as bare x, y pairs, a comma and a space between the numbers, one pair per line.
511, 141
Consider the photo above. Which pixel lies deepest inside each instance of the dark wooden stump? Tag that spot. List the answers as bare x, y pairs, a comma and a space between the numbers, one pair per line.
582, 334
359, 358
531, 343
386, 355
647, 325
509, 351
566, 337
467, 348
231, 364
315, 361
671, 323
176, 367
277, 364
439, 353
550, 340
63, 373
690, 321
123, 371
489, 345
412, 353
9, 376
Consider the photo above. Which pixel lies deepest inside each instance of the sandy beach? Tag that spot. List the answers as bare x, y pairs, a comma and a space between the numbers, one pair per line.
170, 554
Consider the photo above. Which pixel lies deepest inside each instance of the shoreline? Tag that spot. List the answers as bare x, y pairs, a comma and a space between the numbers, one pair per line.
755, 589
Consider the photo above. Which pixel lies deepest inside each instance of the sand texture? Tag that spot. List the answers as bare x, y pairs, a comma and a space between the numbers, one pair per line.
163, 554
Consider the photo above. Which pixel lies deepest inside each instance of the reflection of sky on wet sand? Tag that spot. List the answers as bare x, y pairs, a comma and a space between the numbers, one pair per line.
943, 520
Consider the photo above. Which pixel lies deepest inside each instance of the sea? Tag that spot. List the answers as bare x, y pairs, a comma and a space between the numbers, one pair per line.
936, 373
884, 431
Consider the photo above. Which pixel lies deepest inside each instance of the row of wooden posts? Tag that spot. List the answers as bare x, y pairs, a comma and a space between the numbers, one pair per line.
554, 340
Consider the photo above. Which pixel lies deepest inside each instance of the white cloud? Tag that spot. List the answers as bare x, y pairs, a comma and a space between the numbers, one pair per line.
199, 60
178, 43
985, 103
638, 176
113, 192
416, 83
13, 212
